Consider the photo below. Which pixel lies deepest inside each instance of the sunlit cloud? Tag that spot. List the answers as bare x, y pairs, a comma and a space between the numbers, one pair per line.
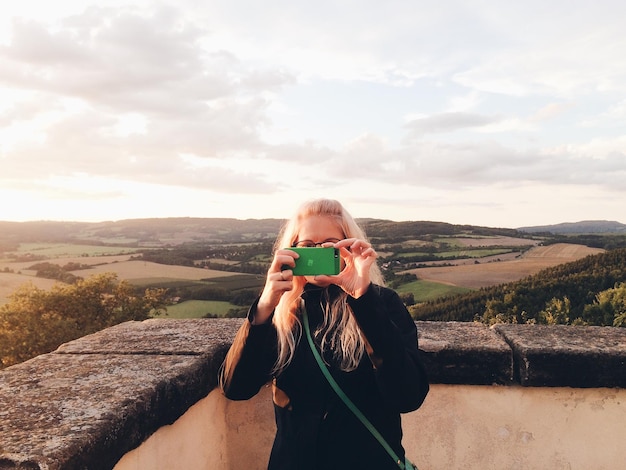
491, 114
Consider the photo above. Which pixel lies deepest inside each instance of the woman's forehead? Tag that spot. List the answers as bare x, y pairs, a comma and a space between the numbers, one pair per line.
314, 227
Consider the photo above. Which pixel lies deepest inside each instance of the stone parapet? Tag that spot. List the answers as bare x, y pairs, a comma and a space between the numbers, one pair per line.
91, 401
94, 399
464, 353
567, 356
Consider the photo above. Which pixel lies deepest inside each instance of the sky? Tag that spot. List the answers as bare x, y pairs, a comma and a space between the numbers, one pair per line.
492, 113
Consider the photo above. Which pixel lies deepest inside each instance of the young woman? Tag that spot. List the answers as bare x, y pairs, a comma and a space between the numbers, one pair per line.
364, 333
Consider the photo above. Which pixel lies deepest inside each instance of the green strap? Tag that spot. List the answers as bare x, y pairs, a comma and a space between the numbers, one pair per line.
335, 386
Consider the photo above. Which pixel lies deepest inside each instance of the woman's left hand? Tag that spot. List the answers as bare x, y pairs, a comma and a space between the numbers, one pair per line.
358, 256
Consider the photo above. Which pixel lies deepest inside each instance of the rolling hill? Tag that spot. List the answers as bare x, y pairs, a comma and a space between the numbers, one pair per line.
583, 227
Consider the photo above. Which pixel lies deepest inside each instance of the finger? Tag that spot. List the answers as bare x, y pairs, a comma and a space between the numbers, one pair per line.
369, 253
345, 253
277, 283
280, 276
286, 275
363, 249
344, 250
359, 248
361, 245
287, 252
284, 258
345, 243
355, 245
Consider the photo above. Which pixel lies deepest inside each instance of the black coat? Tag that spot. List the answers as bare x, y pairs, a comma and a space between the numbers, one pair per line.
315, 430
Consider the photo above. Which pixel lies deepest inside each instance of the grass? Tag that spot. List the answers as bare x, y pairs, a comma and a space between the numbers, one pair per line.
452, 242
426, 290
238, 281
461, 253
413, 254
166, 283
480, 253
198, 309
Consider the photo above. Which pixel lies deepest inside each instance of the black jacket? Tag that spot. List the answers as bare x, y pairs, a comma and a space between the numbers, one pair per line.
315, 430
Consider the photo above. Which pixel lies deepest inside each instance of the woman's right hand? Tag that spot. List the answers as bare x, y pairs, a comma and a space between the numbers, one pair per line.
278, 282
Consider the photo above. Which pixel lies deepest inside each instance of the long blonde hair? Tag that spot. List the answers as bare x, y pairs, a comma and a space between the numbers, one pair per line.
339, 331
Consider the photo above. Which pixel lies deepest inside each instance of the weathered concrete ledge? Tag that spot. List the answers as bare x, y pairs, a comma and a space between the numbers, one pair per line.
529, 355
572, 356
464, 353
94, 399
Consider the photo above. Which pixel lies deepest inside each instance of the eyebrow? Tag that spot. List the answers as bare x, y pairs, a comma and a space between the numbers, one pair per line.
306, 240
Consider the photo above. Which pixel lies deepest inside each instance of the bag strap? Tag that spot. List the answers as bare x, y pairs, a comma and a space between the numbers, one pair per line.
351, 406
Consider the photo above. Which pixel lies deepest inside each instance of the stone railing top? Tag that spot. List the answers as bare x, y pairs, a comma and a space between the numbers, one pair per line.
94, 399
530, 355
573, 356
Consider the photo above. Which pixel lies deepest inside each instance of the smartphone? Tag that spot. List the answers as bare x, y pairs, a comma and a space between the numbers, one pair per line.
318, 260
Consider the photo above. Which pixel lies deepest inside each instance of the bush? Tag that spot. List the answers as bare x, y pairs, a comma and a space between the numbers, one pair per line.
35, 321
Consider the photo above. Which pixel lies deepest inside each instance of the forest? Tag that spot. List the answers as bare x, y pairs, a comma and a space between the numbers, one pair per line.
590, 291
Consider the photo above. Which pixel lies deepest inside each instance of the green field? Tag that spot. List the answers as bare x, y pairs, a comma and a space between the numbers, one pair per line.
425, 290
474, 253
231, 282
463, 253
422, 291
198, 309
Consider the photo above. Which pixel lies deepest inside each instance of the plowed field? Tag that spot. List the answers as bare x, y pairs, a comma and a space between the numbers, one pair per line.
9, 282
491, 273
125, 269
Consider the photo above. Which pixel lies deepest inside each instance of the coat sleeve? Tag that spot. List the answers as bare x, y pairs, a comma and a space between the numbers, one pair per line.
393, 347
250, 359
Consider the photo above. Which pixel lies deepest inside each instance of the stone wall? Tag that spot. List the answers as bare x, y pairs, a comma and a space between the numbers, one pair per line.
91, 402
459, 427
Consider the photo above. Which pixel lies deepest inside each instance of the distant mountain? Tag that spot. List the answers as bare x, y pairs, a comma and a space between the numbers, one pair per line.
171, 231
585, 226
177, 230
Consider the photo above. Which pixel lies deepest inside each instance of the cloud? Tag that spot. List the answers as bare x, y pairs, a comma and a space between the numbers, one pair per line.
550, 111
448, 122
579, 59
128, 61
483, 163
294, 98
158, 68
613, 117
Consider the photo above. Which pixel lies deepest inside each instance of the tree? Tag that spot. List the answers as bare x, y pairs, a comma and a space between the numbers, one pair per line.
556, 312
495, 313
408, 298
609, 307
36, 322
